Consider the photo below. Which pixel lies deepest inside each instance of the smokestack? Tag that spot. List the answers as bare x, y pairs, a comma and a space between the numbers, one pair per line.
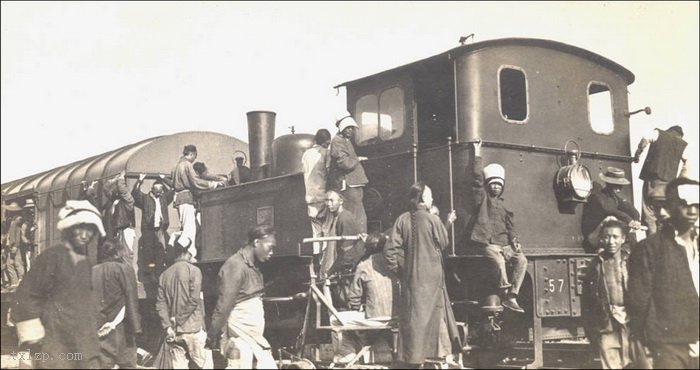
261, 133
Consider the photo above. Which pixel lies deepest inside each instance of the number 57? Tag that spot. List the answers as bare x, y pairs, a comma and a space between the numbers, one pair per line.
552, 285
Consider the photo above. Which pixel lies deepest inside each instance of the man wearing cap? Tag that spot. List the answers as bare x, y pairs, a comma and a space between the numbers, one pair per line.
54, 310
180, 307
665, 153
603, 300
493, 228
346, 173
663, 284
185, 182
605, 202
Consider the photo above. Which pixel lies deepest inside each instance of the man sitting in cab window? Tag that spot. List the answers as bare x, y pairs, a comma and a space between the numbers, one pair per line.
492, 228
604, 296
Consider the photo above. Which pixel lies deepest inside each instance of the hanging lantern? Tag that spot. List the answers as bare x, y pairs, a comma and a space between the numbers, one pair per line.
573, 181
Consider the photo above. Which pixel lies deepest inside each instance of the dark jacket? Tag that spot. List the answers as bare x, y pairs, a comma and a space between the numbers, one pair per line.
347, 253
239, 279
344, 165
603, 203
662, 300
596, 302
179, 296
491, 221
120, 215
114, 283
663, 157
147, 204
59, 292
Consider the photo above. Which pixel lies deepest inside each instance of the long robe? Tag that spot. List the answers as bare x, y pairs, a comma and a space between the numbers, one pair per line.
114, 284
425, 307
58, 292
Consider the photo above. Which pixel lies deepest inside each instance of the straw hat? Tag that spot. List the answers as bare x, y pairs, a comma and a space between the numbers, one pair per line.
614, 175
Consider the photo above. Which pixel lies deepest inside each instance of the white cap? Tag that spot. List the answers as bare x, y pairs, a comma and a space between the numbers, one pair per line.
346, 122
495, 173
77, 212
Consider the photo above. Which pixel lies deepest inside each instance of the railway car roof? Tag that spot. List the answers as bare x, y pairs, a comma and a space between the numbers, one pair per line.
152, 156
514, 41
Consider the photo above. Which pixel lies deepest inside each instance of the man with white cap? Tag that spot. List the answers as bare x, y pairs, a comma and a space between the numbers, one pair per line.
663, 282
54, 310
608, 201
180, 306
492, 228
346, 173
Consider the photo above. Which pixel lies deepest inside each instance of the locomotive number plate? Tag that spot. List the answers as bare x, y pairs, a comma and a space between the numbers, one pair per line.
555, 288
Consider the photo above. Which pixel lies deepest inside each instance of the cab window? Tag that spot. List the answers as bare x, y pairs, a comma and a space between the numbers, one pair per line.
380, 117
512, 93
600, 111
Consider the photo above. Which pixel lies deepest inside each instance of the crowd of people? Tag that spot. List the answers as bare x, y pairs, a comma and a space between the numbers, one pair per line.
640, 298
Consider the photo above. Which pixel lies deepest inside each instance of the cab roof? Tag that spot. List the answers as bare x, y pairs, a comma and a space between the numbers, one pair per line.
513, 41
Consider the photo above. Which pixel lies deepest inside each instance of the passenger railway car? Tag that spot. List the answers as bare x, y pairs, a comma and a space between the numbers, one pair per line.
554, 115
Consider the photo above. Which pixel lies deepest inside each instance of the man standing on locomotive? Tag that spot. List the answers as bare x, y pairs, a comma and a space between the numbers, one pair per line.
604, 296
315, 165
492, 227
239, 309
666, 152
605, 202
185, 182
663, 288
346, 173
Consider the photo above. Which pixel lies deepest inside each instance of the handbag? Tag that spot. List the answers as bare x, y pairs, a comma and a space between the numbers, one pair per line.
164, 357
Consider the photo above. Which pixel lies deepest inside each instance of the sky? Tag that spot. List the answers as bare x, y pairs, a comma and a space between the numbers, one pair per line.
82, 78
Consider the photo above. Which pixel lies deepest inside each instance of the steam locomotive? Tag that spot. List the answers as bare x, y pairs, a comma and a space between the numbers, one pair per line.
554, 115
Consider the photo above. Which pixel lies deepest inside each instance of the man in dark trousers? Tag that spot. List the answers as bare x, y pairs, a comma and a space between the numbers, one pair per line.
604, 202
663, 284
346, 174
665, 153
154, 226
493, 228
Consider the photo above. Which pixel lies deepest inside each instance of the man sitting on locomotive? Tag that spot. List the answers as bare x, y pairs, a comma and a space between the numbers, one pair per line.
493, 229
605, 202
604, 296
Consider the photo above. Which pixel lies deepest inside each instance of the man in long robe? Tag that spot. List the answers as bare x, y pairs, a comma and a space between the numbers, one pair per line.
427, 327
55, 307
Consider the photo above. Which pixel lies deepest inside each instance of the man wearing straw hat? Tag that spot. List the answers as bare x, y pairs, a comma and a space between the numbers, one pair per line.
605, 202
54, 309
